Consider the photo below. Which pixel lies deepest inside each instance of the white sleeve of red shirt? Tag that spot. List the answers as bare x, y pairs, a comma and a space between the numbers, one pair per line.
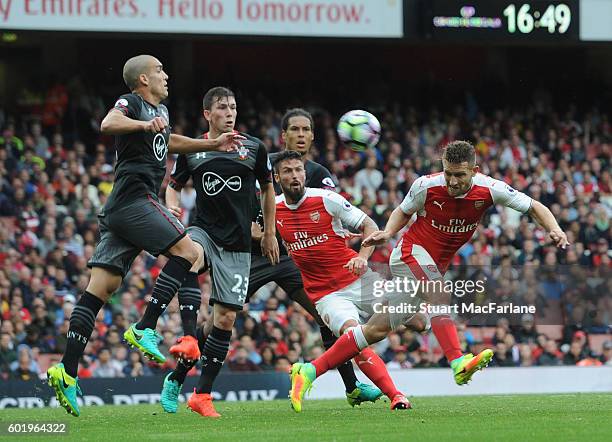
414, 201
505, 195
338, 207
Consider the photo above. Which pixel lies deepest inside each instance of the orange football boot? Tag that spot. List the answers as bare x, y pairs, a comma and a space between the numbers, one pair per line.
186, 347
400, 402
202, 404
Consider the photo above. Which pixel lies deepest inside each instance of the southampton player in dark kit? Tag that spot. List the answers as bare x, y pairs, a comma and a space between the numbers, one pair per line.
225, 183
298, 135
133, 219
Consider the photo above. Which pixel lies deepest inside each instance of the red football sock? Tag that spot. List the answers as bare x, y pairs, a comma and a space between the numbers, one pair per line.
445, 331
376, 370
344, 349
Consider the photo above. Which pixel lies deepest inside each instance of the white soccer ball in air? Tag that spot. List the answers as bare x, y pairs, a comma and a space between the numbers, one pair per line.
359, 129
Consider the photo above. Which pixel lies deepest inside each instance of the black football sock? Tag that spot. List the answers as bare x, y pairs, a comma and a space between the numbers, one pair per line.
82, 321
346, 370
215, 351
201, 337
180, 371
182, 367
189, 298
168, 282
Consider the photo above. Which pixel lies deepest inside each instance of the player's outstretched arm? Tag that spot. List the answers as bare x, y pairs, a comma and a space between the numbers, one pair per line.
226, 142
546, 219
359, 264
269, 244
367, 227
116, 123
397, 221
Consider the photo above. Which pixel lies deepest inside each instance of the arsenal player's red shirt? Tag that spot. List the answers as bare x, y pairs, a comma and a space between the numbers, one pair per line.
313, 235
444, 223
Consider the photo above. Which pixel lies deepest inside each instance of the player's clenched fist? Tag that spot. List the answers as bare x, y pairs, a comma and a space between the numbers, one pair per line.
156, 125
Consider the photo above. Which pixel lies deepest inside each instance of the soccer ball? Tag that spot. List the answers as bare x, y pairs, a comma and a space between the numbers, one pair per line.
358, 129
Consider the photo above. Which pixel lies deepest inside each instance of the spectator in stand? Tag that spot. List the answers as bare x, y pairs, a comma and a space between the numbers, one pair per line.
41, 143
369, 178
575, 354
282, 364
25, 354
272, 312
425, 359
294, 354
135, 366
606, 356
582, 339
503, 356
23, 368
106, 366
575, 325
394, 345
400, 361
42, 321
253, 328
551, 355
113, 339
84, 189
249, 345
241, 362
8, 355
527, 332
526, 355
268, 359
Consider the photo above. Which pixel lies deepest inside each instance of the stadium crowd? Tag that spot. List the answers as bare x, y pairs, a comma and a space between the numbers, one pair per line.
56, 171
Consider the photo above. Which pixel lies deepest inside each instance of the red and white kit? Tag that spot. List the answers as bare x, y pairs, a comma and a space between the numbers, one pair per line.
312, 232
445, 223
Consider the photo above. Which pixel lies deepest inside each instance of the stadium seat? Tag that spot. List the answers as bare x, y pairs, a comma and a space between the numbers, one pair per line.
552, 331
596, 341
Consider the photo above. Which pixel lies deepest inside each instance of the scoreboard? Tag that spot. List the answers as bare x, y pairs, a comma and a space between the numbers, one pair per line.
501, 21
474, 22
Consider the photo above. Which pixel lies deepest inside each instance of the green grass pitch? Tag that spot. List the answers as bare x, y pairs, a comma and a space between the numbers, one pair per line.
566, 417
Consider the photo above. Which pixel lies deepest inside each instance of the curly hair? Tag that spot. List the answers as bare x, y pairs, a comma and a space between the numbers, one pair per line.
286, 155
457, 152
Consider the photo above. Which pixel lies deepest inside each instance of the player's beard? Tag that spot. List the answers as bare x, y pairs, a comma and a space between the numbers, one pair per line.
294, 193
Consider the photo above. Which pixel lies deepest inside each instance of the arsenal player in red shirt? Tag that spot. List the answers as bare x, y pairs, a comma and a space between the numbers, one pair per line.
448, 208
336, 278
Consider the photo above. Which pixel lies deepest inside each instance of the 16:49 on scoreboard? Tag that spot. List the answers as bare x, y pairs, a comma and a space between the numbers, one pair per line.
503, 20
